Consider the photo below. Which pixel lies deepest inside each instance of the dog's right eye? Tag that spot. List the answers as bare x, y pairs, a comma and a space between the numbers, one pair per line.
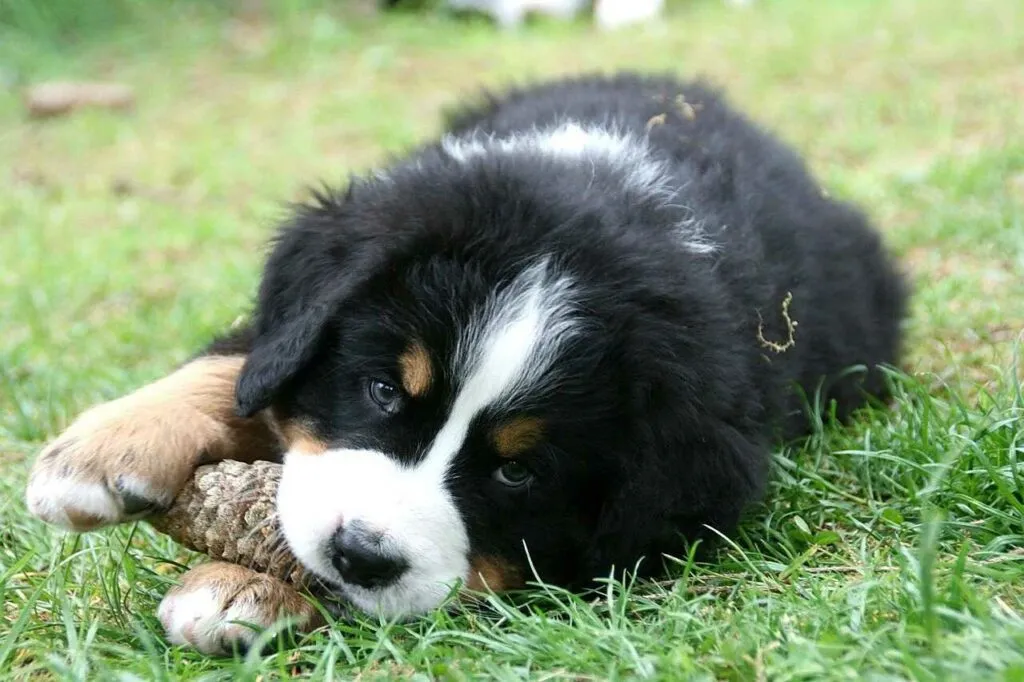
385, 395
513, 475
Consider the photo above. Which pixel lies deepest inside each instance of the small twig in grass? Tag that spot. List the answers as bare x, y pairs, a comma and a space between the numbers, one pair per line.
697, 590
791, 325
848, 569
55, 98
689, 111
655, 121
1007, 611
1002, 558
758, 661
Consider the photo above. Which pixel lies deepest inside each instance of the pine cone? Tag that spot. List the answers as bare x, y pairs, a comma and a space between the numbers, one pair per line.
227, 511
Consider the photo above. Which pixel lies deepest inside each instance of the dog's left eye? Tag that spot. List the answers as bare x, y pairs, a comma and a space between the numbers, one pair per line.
385, 395
513, 474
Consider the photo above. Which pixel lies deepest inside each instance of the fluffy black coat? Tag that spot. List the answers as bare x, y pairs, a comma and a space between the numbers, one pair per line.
667, 407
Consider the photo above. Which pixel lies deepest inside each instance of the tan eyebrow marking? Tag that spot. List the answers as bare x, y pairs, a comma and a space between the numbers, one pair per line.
517, 435
417, 372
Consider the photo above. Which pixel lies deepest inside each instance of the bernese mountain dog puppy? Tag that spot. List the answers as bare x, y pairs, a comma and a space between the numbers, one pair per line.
558, 342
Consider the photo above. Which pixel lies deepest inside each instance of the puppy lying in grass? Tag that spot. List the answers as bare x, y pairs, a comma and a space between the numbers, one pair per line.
557, 342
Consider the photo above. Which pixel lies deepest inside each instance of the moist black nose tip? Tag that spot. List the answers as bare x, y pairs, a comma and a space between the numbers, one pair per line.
358, 556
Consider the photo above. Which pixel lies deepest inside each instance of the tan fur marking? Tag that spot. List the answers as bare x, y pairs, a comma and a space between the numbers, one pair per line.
258, 592
492, 573
417, 372
300, 437
83, 520
515, 437
156, 436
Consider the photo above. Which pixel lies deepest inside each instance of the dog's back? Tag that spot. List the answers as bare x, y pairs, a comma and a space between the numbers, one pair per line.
808, 278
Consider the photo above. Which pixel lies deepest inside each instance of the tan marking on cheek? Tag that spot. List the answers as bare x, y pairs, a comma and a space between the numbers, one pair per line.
515, 437
417, 373
492, 573
301, 438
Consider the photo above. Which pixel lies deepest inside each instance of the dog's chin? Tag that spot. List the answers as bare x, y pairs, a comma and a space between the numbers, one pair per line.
404, 599
397, 601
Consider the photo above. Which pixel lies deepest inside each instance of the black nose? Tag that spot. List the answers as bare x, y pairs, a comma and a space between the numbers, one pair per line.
357, 555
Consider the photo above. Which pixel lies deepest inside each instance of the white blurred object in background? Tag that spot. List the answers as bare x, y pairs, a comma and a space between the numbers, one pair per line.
611, 14
511, 13
608, 14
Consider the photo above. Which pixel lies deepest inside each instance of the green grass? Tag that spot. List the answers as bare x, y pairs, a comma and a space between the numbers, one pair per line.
890, 549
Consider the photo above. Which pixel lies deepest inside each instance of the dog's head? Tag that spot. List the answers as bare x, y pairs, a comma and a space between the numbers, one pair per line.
471, 391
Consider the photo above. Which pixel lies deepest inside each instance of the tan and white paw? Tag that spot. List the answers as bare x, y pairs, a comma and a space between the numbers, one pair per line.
126, 458
119, 461
220, 608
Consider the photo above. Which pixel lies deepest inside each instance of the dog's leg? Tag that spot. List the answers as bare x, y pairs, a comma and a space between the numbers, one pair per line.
124, 459
219, 608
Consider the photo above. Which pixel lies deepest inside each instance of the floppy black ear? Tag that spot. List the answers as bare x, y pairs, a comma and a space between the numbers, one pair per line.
277, 356
319, 259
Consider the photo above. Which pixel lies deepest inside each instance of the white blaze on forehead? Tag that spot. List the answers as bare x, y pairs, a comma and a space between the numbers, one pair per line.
504, 354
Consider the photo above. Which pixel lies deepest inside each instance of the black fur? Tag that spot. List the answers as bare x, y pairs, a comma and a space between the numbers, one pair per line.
668, 406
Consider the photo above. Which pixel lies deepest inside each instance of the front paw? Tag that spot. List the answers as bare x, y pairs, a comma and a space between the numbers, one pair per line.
109, 467
220, 608
128, 458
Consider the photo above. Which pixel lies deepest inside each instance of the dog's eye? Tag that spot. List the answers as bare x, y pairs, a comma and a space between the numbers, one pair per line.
385, 395
513, 474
